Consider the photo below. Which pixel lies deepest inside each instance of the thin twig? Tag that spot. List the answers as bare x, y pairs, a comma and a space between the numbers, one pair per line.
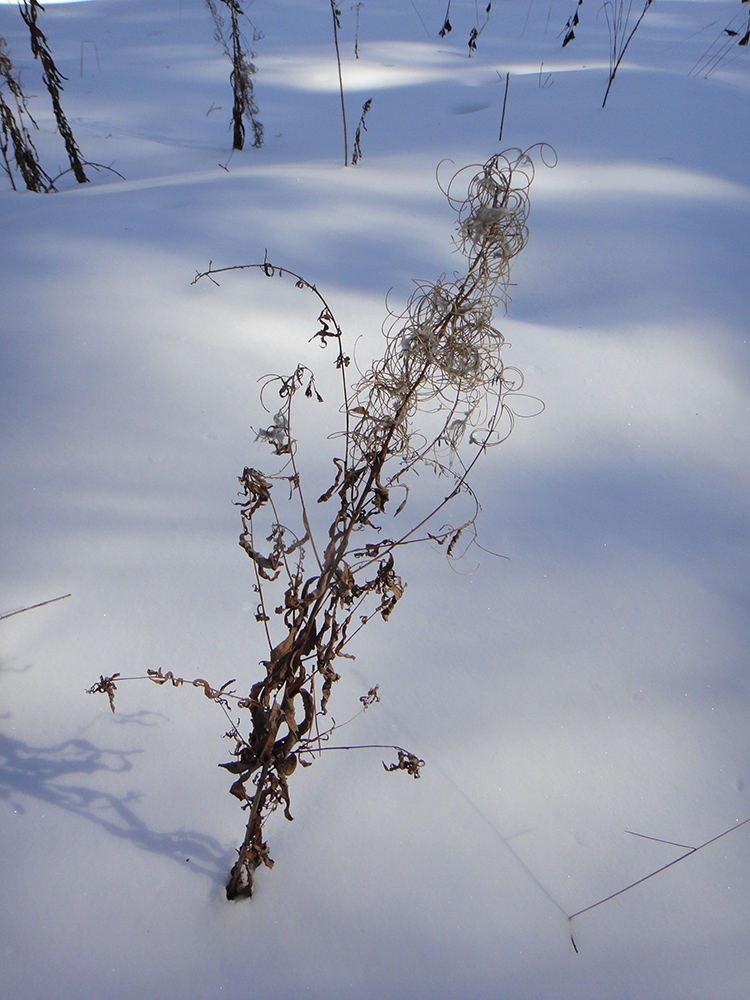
32, 606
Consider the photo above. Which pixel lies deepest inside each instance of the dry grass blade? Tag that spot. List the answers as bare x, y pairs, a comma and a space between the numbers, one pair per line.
243, 71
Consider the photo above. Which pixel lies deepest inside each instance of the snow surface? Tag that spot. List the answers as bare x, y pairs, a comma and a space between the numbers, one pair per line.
592, 686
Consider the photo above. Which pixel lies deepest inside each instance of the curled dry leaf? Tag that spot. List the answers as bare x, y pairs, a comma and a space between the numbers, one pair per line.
105, 685
408, 762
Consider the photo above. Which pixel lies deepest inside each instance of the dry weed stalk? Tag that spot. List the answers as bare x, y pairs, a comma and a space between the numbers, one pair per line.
15, 134
447, 26
315, 591
243, 71
357, 150
735, 34
53, 81
14, 114
336, 14
31, 607
477, 30
617, 14
618, 22
571, 24
356, 8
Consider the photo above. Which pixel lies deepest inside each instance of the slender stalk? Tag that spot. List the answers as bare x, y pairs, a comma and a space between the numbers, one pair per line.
53, 82
617, 59
14, 132
505, 101
335, 12
32, 606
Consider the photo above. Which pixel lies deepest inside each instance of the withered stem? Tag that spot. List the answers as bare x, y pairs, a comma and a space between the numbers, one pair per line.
234, 887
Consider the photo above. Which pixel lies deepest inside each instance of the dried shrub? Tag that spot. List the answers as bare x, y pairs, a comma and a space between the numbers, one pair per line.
439, 397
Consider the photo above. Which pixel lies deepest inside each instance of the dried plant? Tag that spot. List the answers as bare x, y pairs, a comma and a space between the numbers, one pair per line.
439, 397
356, 8
618, 15
336, 14
571, 24
53, 81
447, 26
243, 71
735, 35
16, 139
357, 150
477, 30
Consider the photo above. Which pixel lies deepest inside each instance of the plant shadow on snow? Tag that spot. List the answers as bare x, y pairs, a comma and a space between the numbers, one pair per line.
43, 773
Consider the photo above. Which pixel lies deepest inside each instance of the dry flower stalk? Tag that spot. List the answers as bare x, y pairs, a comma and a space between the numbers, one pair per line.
441, 365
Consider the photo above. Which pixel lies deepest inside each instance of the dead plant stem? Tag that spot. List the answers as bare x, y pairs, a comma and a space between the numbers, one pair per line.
235, 882
335, 13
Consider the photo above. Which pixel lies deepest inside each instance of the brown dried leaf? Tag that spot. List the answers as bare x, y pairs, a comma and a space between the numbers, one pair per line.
408, 762
105, 685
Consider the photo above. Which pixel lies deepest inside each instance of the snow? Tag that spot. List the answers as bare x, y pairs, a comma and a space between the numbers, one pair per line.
591, 686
